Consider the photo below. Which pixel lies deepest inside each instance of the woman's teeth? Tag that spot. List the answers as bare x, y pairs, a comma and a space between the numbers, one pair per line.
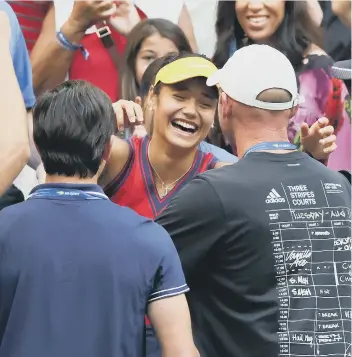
257, 20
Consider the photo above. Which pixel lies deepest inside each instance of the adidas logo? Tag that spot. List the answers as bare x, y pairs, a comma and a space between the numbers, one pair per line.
274, 197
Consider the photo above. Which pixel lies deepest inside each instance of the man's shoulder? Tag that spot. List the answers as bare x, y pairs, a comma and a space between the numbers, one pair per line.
223, 176
141, 228
12, 216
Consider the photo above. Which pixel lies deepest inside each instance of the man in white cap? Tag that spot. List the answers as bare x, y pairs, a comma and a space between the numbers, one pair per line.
265, 243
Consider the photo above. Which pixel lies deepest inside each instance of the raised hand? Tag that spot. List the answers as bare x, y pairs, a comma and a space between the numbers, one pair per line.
319, 139
128, 114
126, 17
87, 13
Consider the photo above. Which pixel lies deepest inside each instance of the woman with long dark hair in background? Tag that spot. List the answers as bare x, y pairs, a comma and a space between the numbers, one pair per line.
149, 40
287, 26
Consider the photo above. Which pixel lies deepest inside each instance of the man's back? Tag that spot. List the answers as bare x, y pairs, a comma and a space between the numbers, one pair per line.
76, 276
277, 272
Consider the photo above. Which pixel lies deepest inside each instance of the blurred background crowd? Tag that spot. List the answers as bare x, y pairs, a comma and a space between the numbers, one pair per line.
111, 43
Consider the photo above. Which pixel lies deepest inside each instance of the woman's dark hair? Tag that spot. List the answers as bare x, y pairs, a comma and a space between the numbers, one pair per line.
72, 125
149, 75
293, 36
146, 28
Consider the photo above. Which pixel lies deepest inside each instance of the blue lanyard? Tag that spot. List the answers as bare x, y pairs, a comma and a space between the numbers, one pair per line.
276, 145
67, 193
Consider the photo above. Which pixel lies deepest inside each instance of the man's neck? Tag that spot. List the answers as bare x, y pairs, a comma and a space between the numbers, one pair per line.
170, 164
70, 180
247, 139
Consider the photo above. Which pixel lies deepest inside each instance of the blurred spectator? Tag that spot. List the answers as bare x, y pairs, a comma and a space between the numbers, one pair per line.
299, 39
14, 128
337, 37
86, 47
82, 24
149, 40
342, 9
30, 15
176, 11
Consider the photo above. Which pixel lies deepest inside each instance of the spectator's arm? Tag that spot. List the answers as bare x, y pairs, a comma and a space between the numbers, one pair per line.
315, 11
167, 309
185, 23
50, 61
14, 144
171, 319
342, 9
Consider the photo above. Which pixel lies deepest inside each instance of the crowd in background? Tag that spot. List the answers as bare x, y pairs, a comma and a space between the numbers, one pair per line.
115, 54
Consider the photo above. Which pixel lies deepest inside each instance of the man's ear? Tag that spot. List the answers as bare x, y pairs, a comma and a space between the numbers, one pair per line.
224, 106
107, 151
294, 111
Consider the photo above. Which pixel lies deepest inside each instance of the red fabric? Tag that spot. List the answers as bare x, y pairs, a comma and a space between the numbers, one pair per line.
134, 187
335, 106
31, 15
99, 69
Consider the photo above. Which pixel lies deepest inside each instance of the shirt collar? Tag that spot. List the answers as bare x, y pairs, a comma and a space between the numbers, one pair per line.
69, 186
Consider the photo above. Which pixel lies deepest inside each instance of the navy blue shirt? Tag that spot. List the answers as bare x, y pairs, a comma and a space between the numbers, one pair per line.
77, 274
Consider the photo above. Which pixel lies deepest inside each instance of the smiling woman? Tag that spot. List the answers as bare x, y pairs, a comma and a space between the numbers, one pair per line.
162, 163
287, 26
149, 40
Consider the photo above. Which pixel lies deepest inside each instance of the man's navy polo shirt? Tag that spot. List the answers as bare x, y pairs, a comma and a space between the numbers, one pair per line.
76, 276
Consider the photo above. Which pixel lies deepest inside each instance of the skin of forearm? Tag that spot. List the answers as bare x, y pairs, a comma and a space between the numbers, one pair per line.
342, 10
315, 11
50, 61
14, 143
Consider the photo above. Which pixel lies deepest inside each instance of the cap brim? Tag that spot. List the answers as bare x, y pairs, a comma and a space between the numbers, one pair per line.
186, 73
214, 79
185, 68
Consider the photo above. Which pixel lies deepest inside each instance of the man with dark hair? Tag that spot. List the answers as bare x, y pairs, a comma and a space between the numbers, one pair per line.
77, 272
265, 243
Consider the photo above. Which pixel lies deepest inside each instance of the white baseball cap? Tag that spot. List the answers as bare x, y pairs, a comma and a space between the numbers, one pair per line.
254, 69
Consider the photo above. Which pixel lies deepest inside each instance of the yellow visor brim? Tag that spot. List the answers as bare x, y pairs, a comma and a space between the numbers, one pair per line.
185, 68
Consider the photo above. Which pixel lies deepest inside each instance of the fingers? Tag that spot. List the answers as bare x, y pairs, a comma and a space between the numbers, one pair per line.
108, 8
127, 112
130, 114
330, 149
328, 142
119, 116
304, 130
322, 122
139, 131
139, 113
138, 100
327, 131
109, 13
